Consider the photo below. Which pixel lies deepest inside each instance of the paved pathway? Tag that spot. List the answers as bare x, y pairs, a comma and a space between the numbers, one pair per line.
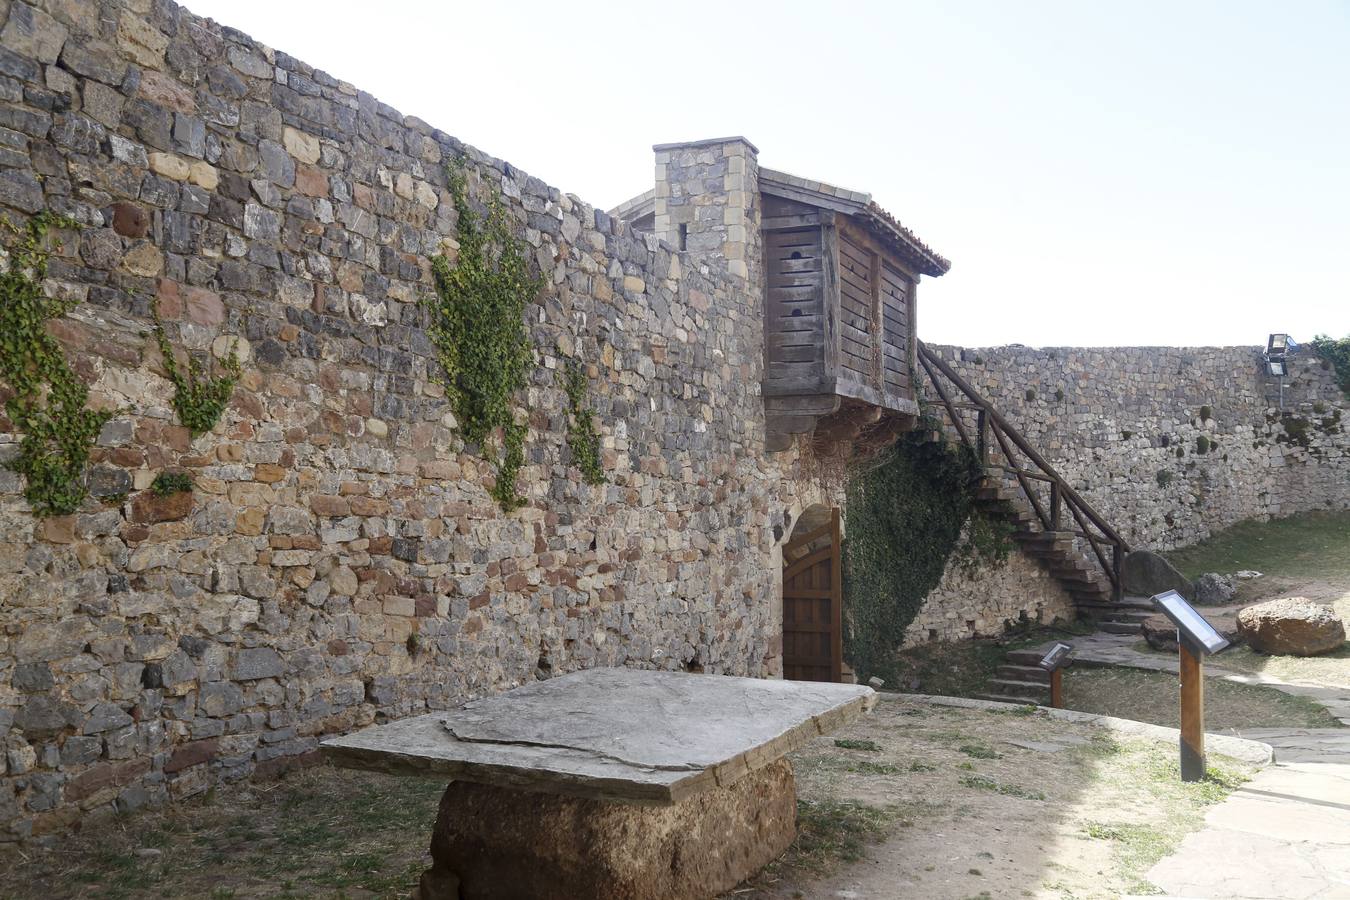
1284, 835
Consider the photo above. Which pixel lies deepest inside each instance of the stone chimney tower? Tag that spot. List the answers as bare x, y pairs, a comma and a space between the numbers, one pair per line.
707, 200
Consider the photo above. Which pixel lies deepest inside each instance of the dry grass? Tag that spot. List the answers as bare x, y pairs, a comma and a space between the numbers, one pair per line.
1153, 697
1312, 545
322, 832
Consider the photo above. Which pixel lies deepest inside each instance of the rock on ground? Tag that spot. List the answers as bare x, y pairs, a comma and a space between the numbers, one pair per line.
1293, 626
1212, 589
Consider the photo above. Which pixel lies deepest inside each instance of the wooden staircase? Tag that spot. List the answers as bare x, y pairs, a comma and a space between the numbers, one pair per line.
1051, 522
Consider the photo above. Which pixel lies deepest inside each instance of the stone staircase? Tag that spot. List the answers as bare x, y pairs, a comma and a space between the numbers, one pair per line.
1057, 551
1019, 680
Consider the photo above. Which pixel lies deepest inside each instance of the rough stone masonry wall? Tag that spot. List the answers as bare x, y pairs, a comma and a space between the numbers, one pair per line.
342, 559
1125, 426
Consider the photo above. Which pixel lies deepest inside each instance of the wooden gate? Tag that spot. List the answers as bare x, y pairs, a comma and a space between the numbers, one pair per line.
813, 648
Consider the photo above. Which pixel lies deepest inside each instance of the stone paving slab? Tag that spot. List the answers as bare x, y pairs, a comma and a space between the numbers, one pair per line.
614, 734
1284, 834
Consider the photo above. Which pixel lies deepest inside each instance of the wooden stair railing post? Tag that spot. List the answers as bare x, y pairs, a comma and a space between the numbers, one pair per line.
1117, 582
982, 446
1054, 506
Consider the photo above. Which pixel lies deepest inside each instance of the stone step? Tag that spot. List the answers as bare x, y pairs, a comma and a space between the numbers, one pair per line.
1121, 627
1144, 606
1026, 658
1003, 698
1039, 536
1023, 673
1009, 687
1127, 615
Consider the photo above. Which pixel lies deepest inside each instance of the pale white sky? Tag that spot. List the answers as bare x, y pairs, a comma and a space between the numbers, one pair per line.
1099, 173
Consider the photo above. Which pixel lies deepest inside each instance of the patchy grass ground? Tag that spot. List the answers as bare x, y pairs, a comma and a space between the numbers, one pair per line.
1153, 697
946, 808
915, 799
1313, 545
1304, 556
963, 668
1330, 669
322, 832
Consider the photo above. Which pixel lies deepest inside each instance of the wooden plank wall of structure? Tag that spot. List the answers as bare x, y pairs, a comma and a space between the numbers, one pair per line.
857, 319
794, 314
896, 294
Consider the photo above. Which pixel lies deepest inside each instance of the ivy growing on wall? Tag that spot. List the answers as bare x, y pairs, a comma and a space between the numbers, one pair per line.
1337, 353
477, 325
50, 405
905, 521
581, 434
199, 399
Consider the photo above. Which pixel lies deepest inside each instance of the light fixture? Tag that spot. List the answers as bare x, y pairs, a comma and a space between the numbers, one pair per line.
1277, 343
1276, 367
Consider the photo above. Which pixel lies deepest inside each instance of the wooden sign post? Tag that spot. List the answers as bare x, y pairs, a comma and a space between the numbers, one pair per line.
1195, 639
1054, 661
1192, 672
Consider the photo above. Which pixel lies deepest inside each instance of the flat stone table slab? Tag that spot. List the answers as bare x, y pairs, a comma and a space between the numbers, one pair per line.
615, 783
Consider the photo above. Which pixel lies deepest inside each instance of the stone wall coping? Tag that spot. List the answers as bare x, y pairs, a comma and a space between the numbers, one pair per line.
707, 142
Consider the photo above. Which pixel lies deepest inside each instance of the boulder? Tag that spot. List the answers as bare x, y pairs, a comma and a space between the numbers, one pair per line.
1292, 626
1213, 589
1144, 574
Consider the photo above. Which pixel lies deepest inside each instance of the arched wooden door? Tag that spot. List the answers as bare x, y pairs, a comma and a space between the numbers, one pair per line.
813, 638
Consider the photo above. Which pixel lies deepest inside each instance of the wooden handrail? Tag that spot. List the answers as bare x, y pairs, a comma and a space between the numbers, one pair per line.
1005, 433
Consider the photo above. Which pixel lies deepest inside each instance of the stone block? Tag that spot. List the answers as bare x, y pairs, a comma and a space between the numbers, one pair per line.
496, 843
147, 507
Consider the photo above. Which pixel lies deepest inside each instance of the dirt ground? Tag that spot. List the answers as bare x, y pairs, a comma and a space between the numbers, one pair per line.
915, 800
969, 814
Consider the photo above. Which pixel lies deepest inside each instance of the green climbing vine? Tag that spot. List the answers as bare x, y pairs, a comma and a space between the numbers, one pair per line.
1337, 353
199, 399
581, 434
906, 515
168, 483
49, 405
477, 324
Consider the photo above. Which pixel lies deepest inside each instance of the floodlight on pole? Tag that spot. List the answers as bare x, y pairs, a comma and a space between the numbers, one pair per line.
1278, 349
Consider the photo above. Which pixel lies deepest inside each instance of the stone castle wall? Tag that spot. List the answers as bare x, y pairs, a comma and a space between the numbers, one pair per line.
1126, 427
341, 559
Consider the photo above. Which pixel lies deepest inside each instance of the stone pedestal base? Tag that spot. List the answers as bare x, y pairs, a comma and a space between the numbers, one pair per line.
494, 843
